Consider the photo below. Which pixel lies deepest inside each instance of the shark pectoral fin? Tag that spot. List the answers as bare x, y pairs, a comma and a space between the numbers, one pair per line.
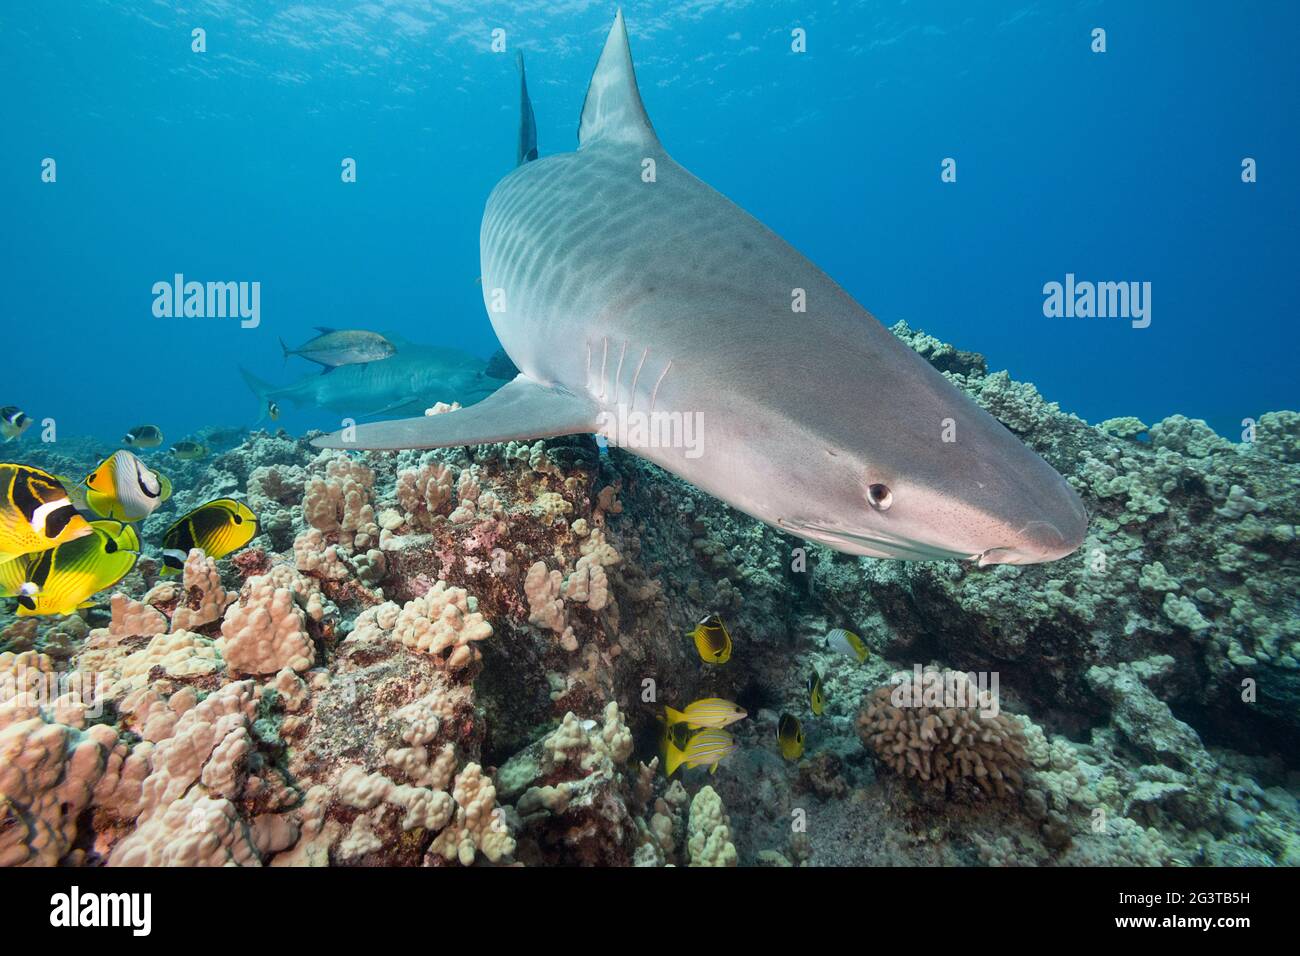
521, 409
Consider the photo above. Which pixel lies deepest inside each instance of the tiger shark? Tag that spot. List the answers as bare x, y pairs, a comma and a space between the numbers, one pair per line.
410, 381
630, 294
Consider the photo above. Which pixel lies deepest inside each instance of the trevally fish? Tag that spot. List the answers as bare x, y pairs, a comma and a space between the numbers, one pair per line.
630, 303
414, 379
334, 348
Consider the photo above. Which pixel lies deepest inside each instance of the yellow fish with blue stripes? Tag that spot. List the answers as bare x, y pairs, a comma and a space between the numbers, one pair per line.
707, 712
706, 748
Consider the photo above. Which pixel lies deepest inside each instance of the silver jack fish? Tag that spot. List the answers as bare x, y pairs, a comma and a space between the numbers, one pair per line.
334, 348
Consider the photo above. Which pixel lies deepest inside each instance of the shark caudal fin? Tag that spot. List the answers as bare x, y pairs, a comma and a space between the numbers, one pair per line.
527, 121
520, 409
613, 111
259, 387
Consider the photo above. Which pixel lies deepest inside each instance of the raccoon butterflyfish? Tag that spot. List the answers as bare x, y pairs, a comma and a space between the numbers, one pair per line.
62, 579
216, 528
816, 697
35, 512
789, 737
712, 640
143, 436
13, 422
125, 489
189, 450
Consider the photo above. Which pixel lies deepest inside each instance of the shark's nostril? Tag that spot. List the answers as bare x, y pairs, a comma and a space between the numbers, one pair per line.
1043, 533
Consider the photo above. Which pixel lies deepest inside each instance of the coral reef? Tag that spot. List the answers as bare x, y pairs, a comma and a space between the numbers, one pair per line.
461, 658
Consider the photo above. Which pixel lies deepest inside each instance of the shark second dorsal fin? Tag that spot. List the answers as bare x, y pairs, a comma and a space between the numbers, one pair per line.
527, 121
520, 409
613, 111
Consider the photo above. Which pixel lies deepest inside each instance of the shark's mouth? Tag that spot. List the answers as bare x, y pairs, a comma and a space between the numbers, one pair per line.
876, 545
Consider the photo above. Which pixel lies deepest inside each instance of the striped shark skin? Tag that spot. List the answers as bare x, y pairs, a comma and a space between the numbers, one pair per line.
625, 289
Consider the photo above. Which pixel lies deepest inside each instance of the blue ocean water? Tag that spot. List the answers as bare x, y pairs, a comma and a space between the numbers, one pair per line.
224, 165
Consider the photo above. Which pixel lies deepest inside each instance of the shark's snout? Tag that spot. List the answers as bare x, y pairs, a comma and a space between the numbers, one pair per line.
1057, 533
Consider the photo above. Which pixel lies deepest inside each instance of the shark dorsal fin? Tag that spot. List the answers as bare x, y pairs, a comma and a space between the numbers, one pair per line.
613, 111
527, 121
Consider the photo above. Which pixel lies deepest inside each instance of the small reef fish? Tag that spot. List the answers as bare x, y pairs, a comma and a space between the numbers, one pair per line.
143, 436
712, 640
847, 643
816, 697
189, 450
13, 422
708, 712
675, 735
334, 347
272, 411
35, 512
124, 488
789, 737
217, 528
707, 748
61, 580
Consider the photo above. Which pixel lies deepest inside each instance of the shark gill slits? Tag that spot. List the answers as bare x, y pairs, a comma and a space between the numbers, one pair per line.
879, 496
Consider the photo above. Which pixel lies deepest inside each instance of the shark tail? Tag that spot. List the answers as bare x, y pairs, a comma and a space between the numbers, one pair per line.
527, 120
261, 389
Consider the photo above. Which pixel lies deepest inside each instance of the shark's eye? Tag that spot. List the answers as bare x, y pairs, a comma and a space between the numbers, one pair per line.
880, 497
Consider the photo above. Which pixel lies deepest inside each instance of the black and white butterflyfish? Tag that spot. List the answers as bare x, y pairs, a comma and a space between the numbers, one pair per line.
124, 488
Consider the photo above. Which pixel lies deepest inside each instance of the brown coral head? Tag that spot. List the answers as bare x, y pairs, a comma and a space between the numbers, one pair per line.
935, 727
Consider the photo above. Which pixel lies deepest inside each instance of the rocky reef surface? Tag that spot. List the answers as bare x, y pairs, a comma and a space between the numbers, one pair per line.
460, 657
